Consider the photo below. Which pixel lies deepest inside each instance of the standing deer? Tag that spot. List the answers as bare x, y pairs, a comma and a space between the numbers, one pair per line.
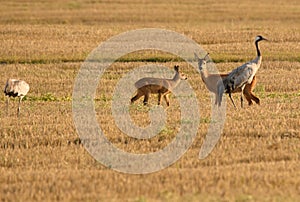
15, 88
211, 81
160, 86
240, 76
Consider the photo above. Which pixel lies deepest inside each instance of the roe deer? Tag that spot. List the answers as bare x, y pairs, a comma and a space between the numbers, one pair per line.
211, 81
160, 86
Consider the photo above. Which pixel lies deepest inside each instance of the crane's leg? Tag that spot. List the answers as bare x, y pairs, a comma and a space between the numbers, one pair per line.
7, 103
19, 106
232, 100
242, 99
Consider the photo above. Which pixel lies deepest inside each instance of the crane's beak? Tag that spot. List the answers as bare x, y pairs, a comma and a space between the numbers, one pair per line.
264, 39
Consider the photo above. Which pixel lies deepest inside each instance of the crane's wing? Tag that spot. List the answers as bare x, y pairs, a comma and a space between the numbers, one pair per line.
241, 75
21, 88
5, 88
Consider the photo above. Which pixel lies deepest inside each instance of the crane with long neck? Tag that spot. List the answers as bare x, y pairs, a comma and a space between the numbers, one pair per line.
240, 76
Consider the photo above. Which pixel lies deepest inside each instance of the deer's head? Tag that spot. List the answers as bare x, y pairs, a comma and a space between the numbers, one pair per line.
201, 62
181, 75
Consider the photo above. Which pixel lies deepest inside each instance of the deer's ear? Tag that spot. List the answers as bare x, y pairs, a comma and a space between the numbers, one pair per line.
206, 56
196, 56
176, 68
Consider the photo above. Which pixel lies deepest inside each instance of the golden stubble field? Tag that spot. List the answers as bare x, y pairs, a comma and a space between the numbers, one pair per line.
45, 43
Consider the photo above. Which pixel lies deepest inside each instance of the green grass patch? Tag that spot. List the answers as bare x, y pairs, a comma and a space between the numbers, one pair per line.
283, 95
37, 61
48, 97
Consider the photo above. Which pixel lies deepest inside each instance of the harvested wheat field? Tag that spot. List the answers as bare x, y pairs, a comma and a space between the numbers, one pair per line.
45, 43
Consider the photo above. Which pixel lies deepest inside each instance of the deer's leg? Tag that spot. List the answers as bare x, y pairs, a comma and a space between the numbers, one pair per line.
250, 96
159, 98
252, 86
216, 98
146, 97
136, 97
219, 94
166, 97
256, 99
247, 93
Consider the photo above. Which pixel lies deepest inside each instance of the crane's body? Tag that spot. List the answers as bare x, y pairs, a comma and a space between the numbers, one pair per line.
240, 76
16, 88
245, 73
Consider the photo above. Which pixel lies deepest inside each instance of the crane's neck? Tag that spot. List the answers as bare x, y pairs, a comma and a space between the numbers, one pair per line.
257, 49
259, 57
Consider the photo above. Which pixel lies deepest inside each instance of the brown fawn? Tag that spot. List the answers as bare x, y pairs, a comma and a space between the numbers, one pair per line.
160, 86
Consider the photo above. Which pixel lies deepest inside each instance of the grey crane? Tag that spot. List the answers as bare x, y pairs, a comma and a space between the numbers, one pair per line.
240, 76
15, 88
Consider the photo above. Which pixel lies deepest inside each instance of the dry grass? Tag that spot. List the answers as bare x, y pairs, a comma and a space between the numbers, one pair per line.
44, 43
